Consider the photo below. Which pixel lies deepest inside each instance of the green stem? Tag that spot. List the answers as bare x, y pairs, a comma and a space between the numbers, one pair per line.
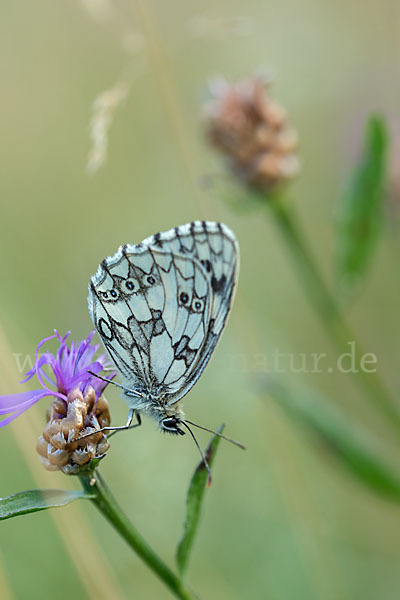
107, 505
328, 309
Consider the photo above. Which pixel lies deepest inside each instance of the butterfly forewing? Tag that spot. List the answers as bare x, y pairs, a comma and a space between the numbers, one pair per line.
160, 306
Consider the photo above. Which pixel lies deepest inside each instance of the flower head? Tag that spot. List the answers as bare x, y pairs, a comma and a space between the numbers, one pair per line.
63, 444
252, 131
78, 406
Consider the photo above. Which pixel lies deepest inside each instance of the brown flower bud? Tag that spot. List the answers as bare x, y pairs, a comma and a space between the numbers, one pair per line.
62, 446
252, 132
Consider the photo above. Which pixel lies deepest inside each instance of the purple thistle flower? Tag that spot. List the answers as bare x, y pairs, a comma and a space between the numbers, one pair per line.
70, 366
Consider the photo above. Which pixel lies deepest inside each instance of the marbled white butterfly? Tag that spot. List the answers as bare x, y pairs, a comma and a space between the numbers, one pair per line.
160, 307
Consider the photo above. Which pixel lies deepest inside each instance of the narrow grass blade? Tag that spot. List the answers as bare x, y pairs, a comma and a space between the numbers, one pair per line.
353, 445
361, 213
194, 501
35, 500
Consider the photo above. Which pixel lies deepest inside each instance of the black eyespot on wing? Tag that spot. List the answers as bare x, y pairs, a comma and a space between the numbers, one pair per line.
112, 295
129, 286
197, 305
151, 280
184, 298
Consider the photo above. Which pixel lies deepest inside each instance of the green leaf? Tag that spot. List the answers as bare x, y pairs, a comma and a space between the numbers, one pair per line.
361, 215
194, 501
35, 500
352, 444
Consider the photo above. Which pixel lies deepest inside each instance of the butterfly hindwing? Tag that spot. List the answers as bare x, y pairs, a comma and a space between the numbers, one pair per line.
160, 306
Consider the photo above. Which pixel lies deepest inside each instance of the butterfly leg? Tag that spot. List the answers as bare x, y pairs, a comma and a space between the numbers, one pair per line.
128, 425
131, 414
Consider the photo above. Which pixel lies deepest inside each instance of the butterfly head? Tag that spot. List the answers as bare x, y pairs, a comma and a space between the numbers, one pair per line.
170, 424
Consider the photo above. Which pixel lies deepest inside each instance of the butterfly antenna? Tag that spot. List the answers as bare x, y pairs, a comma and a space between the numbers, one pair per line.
221, 435
203, 456
114, 383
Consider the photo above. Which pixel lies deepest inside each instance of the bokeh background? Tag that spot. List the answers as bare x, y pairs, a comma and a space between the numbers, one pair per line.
283, 520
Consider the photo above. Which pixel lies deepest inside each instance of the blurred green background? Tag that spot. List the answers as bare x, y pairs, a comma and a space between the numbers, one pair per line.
283, 520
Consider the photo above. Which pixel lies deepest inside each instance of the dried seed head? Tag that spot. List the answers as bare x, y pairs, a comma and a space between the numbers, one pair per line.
104, 108
60, 446
252, 131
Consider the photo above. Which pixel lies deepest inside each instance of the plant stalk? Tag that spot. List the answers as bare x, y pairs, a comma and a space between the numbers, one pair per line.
328, 309
107, 505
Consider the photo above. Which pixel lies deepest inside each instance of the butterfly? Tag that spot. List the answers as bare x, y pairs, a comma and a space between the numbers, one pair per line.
160, 308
